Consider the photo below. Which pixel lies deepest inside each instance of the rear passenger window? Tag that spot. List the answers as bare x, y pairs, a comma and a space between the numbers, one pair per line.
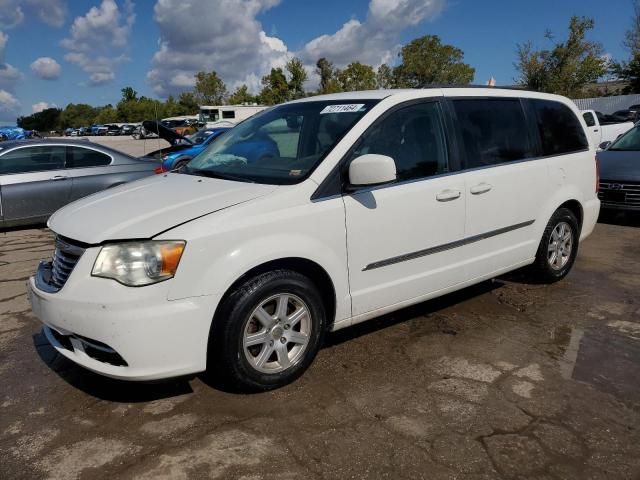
493, 131
414, 137
78, 157
589, 120
560, 130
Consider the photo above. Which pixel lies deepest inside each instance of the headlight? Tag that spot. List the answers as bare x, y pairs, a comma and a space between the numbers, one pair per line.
139, 263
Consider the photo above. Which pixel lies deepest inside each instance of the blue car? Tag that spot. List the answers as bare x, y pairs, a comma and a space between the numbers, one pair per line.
183, 149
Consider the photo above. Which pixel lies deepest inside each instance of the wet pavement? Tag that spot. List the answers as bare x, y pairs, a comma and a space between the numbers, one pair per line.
502, 380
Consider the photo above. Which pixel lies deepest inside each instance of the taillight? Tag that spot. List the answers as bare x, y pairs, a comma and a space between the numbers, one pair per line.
597, 175
158, 169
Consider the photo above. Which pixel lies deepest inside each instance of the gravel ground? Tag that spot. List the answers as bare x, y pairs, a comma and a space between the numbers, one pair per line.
502, 380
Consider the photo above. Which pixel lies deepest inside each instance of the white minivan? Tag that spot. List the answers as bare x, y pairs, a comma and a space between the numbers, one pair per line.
312, 216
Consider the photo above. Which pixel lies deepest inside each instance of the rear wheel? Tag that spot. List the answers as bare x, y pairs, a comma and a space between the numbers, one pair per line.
267, 331
558, 248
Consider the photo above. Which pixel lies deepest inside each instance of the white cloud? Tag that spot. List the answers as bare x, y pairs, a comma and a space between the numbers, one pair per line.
9, 75
99, 38
46, 68
40, 106
11, 13
51, 12
375, 40
230, 40
227, 39
9, 107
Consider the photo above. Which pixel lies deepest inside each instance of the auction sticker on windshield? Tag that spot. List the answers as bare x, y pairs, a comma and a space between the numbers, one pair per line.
352, 107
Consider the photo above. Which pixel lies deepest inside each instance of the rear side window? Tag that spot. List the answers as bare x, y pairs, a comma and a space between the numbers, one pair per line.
560, 130
32, 159
493, 131
228, 114
78, 157
588, 119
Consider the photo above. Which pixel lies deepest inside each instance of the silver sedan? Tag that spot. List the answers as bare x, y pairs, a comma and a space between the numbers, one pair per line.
37, 177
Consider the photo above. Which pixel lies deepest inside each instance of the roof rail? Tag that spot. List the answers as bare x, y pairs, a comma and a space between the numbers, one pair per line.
450, 85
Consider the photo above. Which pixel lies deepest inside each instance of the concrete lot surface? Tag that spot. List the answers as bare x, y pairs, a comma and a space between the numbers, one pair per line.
502, 380
127, 144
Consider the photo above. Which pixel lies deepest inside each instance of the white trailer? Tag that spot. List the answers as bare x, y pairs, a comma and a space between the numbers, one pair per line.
227, 115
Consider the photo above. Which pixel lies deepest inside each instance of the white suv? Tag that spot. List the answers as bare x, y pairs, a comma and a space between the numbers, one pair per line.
312, 216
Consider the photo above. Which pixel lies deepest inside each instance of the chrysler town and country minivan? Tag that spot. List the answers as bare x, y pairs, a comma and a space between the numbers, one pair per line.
373, 201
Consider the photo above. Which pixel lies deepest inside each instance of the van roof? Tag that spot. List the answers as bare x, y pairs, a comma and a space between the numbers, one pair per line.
382, 93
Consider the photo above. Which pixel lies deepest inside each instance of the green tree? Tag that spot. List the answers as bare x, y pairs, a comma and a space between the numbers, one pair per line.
629, 70
106, 114
77, 115
43, 121
188, 103
632, 36
297, 77
241, 96
357, 76
327, 74
427, 61
129, 94
567, 67
385, 77
210, 89
275, 88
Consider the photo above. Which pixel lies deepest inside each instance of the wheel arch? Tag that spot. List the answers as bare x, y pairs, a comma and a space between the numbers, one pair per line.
312, 270
576, 208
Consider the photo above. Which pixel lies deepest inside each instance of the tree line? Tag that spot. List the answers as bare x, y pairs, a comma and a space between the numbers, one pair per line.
423, 61
568, 67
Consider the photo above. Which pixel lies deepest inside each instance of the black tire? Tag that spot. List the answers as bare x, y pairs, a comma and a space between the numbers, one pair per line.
542, 269
227, 358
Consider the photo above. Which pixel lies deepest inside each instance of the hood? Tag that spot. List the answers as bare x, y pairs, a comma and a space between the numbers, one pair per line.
619, 166
150, 206
165, 133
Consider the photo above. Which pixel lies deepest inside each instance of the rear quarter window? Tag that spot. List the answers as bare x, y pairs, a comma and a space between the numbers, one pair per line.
493, 131
78, 157
560, 130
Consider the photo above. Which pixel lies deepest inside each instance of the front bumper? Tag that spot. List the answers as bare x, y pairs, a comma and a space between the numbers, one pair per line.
124, 332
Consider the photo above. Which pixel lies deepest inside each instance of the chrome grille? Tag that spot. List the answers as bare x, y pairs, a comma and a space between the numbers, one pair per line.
65, 257
620, 193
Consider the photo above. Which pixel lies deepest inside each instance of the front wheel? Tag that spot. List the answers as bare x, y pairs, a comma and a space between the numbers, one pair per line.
267, 331
558, 248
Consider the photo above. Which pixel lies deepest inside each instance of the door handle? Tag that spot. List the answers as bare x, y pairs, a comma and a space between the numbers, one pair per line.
480, 188
448, 195
59, 177
596, 130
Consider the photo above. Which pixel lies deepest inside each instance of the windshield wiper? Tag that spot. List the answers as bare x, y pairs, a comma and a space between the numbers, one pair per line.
212, 174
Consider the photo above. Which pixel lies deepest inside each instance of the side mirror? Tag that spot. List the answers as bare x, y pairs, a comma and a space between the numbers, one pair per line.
372, 169
604, 145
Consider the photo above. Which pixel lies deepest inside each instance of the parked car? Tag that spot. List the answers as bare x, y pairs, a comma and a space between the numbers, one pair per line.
626, 116
127, 129
182, 149
603, 132
112, 130
139, 133
375, 201
39, 176
620, 173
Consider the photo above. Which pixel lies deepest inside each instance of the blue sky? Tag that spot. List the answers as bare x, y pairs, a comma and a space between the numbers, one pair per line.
119, 43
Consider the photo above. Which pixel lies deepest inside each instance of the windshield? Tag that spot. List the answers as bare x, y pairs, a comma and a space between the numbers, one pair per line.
629, 142
281, 145
201, 135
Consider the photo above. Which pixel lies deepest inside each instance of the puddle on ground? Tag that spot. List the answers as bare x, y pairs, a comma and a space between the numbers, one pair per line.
604, 356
